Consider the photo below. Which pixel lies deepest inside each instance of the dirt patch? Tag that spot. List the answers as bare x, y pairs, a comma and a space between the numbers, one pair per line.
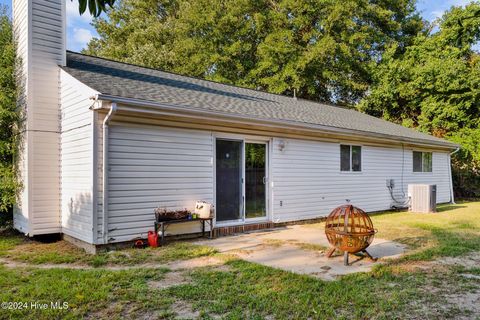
124, 310
469, 301
276, 243
183, 310
468, 261
223, 268
176, 265
471, 260
195, 263
170, 279
449, 299
462, 305
16, 264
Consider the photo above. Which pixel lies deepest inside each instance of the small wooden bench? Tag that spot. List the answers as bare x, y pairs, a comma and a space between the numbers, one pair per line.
163, 225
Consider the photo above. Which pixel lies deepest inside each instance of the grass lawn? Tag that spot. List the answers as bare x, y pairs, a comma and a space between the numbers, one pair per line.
243, 290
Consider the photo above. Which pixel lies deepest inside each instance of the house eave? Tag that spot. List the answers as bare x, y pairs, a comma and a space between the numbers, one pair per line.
162, 108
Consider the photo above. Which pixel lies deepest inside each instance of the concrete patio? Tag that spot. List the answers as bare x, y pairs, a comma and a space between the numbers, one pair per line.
300, 249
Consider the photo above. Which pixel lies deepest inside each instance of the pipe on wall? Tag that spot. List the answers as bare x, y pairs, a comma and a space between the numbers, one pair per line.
113, 109
452, 198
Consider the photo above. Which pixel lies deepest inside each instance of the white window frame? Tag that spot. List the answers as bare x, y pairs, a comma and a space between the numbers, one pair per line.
351, 158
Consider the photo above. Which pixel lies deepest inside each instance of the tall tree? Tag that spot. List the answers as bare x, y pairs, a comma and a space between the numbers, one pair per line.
8, 114
95, 7
321, 48
434, 86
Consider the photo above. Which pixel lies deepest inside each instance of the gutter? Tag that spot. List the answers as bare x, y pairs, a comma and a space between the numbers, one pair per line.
166, 109
113, 109
452, 199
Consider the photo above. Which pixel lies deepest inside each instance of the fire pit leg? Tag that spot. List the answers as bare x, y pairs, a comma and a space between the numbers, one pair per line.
369, 256
345, 258
330, 252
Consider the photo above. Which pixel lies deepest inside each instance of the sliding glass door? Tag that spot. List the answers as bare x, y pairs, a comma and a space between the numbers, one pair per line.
229, 180
241, 180
255, 180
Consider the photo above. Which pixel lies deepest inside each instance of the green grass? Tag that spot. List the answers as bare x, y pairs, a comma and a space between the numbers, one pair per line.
105, 294
61, 252
257, 292
453, 231
250, 291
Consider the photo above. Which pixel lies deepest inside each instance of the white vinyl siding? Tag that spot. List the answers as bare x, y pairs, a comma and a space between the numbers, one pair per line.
76, 159
39, 30
153, 166
307, 182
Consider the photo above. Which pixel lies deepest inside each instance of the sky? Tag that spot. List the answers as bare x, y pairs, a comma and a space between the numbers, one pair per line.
79, 30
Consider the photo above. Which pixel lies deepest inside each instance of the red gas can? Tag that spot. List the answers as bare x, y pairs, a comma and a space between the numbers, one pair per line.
152, 239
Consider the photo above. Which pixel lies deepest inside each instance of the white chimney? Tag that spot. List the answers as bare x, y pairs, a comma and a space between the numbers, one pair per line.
39, 28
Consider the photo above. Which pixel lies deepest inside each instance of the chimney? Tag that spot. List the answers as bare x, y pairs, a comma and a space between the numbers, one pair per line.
39, 28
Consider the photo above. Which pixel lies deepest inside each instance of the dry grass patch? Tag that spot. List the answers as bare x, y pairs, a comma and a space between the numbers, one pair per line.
302, 245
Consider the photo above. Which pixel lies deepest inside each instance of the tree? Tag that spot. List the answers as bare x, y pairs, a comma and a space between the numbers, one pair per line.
8, 114
323, 49
96, 7
434, 86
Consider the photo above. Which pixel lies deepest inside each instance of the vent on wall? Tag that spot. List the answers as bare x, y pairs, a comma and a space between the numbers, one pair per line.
423, 197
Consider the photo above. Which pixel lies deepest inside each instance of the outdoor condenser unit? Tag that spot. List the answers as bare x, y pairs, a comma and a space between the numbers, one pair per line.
423, 197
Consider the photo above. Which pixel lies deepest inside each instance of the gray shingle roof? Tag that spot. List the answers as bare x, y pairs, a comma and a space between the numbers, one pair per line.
129, 81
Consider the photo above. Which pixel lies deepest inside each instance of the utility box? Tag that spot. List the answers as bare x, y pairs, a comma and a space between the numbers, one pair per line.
423, 197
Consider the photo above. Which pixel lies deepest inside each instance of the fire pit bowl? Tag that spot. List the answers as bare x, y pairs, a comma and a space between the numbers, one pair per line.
349, 229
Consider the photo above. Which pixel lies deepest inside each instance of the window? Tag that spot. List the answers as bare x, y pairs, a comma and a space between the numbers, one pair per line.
422, 161
350, 158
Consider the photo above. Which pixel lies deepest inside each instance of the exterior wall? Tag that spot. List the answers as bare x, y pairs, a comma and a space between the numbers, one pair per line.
152, 166
77, 161
308, 182
39, 30
20, 27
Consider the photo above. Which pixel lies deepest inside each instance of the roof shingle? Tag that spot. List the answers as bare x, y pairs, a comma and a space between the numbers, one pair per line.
135, 82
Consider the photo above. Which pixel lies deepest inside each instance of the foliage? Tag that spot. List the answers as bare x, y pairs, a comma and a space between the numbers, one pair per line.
8, 114
434, 86
96, 7
321, 48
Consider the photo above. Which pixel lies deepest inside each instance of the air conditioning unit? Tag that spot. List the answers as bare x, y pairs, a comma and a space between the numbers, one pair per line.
423, 197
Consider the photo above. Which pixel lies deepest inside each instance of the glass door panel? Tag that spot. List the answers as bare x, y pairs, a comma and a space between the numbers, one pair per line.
229, 180
255, 180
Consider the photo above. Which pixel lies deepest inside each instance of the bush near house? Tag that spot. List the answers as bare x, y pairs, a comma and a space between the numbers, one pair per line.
8, 117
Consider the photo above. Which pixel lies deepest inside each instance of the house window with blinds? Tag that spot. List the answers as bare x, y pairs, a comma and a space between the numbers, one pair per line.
350, 158
422, 161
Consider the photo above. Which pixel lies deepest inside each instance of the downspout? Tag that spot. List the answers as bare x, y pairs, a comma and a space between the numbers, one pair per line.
113, 109
452, 199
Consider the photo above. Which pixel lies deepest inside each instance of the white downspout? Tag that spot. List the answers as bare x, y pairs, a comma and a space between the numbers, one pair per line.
452, 199
113, 109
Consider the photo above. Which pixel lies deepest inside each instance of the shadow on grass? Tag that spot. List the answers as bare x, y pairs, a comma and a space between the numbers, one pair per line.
450, 207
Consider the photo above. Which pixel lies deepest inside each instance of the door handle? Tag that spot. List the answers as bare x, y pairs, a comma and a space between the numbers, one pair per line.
264, 180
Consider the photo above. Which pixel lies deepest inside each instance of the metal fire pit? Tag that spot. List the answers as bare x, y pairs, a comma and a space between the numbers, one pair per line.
349, 229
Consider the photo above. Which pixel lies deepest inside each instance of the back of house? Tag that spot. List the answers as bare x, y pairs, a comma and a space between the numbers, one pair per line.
105, 143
